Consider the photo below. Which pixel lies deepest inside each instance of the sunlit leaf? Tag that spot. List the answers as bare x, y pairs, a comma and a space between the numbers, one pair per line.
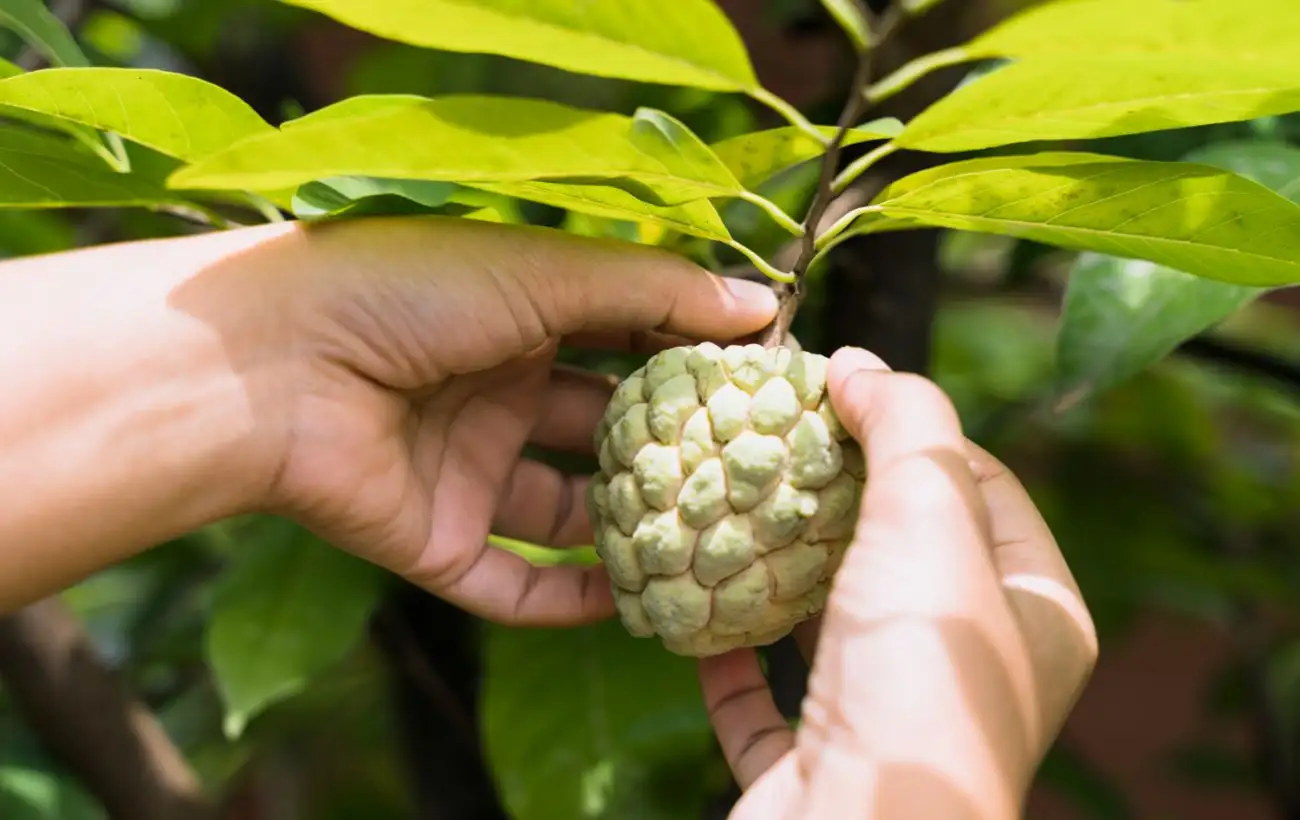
760, 155
289, 608
43, 31
664, 137
853, 19
591, 723
1239, 30
685, 42
698, 218
37, 25
1101, 95
8, 69
1195, 218
462, 138
357, 106
175, 114
1121, 316
40, 170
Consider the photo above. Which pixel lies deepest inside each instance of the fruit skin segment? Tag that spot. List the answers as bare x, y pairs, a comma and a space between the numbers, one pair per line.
727, 494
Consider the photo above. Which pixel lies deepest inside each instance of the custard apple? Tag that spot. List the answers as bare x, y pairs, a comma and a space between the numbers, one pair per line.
727, 494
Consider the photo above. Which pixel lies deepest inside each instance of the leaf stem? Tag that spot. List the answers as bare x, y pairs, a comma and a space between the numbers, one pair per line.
860, 165
789, 112
773, 210
914, 70
827, 236
765, 267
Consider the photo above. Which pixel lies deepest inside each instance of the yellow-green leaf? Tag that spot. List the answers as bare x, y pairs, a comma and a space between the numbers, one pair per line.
760, 155
46, 33
682, 42
1195, 218
1088, 97
8, 69
1240, 30
39, 170
1120, 316
698, 218
175, 114
358, 106
461, 138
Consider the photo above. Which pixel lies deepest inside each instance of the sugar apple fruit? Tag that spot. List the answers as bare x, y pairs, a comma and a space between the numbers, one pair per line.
727, 494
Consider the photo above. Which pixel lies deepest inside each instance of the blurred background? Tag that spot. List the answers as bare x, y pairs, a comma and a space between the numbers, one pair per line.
1174, 495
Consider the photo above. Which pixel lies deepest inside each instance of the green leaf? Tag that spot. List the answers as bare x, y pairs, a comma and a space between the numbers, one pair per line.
1264, 31
8, 69
289, 608
591, 723
175, 114
698, 218
35, 794
357, 106
39, 28
681, 151
40, 170
1120, 316
686, 42
461, 138
37, 25
850, 17
1195, 218
1089, 97
758, 156
340, 195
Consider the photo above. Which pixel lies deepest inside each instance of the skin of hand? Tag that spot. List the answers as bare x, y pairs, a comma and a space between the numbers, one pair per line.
953, 645
374, 380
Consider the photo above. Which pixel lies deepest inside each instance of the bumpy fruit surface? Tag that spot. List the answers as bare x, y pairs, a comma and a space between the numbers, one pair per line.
727, 494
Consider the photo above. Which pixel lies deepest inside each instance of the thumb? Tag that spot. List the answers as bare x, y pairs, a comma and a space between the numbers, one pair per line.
581, 285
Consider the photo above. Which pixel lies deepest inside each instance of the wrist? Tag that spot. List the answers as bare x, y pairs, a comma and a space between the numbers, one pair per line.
147, 386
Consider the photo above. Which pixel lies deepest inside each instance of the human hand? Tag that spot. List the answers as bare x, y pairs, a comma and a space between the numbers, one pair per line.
951, 649
422, 362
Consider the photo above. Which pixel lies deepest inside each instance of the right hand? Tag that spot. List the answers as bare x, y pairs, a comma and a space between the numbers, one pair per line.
953, 645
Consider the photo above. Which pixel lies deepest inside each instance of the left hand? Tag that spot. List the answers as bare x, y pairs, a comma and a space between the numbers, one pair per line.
423, 363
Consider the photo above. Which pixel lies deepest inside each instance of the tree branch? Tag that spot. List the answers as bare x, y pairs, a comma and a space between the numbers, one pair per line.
86, 717
790, 295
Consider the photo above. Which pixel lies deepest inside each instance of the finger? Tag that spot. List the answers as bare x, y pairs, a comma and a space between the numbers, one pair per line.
544, 506
572, 405
1044, 596
502, 587
918, 583
750, 728
579, 285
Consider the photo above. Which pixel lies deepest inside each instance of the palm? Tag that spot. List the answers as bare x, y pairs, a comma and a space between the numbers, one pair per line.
416, 483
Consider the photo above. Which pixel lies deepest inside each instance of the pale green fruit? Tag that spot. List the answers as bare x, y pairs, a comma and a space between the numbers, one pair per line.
727, 494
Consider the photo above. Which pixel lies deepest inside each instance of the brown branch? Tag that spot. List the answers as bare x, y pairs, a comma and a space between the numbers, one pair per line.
790, 295
84, 714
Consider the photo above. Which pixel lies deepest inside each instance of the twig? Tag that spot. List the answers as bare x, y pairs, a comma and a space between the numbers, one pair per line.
790, 294
84, 714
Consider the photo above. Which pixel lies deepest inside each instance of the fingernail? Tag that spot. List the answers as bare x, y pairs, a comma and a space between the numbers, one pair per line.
850, 359
753, 294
